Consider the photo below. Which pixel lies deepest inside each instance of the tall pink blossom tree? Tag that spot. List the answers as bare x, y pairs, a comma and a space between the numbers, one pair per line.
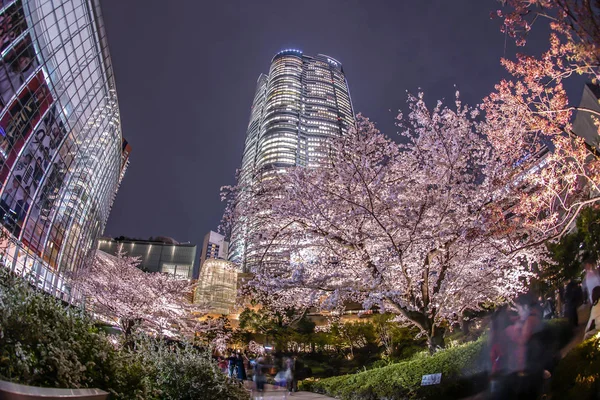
117, 291
412, 228
532, 111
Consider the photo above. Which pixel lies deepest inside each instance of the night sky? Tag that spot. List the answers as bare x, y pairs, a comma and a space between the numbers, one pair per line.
186, 73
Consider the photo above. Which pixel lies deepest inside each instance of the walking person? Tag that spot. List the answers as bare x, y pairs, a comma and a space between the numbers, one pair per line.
289, 375
223, 365
593, 325
573, 297
592, 277
526, 382
241, 369
231, 364
500, 352
259, 376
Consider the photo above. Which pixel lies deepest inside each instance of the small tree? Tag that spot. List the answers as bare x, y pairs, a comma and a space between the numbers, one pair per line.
118, 291
414, 228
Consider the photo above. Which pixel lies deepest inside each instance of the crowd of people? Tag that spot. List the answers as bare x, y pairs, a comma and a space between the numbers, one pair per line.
282, 371
522, 351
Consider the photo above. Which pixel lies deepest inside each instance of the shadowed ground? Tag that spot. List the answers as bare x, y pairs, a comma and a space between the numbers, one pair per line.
276, 393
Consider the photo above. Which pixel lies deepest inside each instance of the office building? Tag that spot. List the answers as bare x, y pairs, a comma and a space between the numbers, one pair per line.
214, 246
298, 107
584, 125
156, 254
60, 136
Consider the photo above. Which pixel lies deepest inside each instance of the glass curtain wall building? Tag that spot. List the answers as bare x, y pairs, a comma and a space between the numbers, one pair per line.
302, 103
60, 136
164, 255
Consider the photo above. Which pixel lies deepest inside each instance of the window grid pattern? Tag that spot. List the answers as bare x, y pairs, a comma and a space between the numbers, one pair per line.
61, 143
298, 108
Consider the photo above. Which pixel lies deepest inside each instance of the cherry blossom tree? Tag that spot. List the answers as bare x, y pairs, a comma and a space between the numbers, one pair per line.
116, 290
531, 112
413, 228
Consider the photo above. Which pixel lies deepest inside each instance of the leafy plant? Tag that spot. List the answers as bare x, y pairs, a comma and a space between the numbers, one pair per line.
403, 380
577, 376
44, 342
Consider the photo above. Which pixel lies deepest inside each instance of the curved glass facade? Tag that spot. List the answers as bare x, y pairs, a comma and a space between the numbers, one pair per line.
60, 136
303, 102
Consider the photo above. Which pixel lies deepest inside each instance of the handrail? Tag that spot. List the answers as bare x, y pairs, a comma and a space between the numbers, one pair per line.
15, 391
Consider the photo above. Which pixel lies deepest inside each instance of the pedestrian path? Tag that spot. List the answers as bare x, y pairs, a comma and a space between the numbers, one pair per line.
294, 396
276, 393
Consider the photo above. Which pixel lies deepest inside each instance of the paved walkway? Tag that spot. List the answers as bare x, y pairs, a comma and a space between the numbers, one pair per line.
276, 393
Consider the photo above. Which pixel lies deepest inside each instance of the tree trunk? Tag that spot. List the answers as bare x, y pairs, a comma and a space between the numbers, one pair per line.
128, 326
464, 325
435, 339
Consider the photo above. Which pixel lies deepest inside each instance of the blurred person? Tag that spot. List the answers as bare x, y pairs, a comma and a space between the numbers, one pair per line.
592, 276
259, 375
593, 325
301, 372
573, 297
222, 365
241, 369
289, 375
500, 353
548, 308
231, 365
525, 381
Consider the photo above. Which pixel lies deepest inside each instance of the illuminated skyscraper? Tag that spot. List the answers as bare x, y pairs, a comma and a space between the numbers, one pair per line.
303, 102
61, 148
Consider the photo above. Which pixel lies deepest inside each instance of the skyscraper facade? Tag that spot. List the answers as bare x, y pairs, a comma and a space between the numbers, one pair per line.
298, 106
61, 146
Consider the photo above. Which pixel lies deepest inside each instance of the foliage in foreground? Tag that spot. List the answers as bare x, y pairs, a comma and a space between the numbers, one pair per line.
44, 343
577, 376
403, 380
464, 371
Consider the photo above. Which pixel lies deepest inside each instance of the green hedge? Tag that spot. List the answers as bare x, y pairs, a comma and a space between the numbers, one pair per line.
463, 368
43, 343
577, 376
403, 380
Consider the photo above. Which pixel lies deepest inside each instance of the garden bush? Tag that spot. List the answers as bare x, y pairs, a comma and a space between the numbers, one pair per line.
577, 375
463, 371
44, 342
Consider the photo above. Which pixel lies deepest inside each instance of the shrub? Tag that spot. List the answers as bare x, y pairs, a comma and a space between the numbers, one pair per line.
577, 376
42, 343
182, 371
462, 368
45, 343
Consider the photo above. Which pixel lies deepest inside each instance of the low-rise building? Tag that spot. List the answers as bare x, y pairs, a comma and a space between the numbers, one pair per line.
159, 254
